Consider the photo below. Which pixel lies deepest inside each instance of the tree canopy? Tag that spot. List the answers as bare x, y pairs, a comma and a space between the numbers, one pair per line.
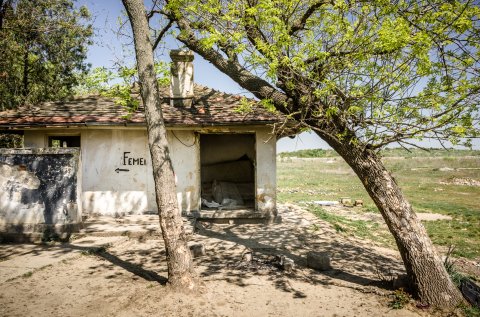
120, 83
375, 72
361, 75
43, 47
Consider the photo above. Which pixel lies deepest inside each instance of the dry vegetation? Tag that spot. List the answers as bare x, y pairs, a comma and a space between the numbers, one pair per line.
441, 184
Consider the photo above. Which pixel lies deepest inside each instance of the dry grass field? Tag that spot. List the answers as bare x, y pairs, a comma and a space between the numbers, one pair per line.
442, 182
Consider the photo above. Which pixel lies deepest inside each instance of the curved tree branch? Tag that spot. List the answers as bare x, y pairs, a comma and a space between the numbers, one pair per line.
162, 33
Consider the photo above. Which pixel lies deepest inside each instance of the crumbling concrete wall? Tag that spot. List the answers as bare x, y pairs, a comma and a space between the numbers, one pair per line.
117, 170
266, 164
39, 191
114, 185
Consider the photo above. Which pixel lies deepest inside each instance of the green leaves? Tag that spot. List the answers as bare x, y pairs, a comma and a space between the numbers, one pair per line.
393, 34
120, 84
385, 72
43, 45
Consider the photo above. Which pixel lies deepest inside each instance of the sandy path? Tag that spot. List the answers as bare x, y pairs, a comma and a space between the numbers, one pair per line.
128, 279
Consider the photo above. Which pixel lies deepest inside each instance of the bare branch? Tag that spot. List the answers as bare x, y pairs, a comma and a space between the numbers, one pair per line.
162, 33
300, 24
258, 86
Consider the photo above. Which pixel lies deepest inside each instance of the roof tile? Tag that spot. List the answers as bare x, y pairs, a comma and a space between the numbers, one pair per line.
210, 107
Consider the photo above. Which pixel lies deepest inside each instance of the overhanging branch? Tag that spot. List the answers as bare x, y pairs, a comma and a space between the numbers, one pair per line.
256, 85
162, 33
300, 24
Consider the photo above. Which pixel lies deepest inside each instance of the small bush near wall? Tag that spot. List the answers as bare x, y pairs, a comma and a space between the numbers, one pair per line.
8, 140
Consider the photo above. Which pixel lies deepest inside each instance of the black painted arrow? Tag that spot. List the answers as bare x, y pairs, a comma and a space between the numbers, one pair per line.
118, 170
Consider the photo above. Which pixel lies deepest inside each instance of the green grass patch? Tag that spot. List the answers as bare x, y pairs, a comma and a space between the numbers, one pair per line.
94, 250
426, 181
309, 153
399, 299
470, 311
359, 228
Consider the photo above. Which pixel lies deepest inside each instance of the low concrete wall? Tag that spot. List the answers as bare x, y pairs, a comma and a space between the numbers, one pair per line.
39, 192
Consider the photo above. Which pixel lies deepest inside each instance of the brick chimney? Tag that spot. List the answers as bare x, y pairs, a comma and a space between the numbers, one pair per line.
181, 81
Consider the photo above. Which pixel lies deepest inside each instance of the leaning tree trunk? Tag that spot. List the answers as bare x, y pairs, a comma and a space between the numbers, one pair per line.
180, 267
428, 276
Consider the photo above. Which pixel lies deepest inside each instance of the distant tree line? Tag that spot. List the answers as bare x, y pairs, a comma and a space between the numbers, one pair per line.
387, 152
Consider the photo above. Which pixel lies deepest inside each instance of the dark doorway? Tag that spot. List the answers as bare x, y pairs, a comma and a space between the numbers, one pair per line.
227, 170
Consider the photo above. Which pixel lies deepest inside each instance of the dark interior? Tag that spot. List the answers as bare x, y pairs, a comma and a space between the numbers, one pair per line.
227, 171
64, 141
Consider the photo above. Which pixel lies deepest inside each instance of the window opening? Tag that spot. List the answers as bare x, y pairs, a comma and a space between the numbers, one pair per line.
64, 141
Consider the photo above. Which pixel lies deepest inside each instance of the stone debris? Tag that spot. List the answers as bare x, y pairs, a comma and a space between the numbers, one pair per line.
318, 261
358, 203
446, 169
212, 204
310, 192
461, 181
250, 261
197, 250
189, 224
247, 257
287, 264
325, 202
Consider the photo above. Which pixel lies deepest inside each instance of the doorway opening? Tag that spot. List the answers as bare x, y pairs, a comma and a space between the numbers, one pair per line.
227, 171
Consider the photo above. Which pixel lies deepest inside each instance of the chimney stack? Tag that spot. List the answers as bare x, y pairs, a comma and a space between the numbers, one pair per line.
181, 82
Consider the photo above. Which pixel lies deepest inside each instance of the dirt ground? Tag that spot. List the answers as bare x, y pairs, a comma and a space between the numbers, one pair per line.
128, 277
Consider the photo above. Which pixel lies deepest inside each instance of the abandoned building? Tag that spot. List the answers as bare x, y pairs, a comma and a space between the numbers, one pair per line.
89, 156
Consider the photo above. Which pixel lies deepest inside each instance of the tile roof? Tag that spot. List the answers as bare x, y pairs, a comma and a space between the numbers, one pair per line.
210, 107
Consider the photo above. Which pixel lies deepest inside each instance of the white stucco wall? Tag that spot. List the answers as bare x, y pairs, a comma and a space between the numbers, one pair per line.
266, 183
104, 150
109, 192
185, 154
106, 190
115, 178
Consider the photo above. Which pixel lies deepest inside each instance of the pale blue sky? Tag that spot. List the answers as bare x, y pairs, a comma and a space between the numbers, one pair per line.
109, 48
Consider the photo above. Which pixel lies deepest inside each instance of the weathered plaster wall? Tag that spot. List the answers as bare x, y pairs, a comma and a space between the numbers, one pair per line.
38, 187
266, 171
106, 190
34, 139
115, 179
117, 173
185, 154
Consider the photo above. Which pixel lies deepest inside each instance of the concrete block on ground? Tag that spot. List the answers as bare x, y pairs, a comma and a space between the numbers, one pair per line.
318, 261
358, 203
247, 257
197, 250
287, 264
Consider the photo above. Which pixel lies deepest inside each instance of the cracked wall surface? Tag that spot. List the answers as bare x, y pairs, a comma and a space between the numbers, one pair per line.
38, 187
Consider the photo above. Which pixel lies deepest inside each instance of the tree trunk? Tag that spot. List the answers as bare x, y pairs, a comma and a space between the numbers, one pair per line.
428, 277
180, 267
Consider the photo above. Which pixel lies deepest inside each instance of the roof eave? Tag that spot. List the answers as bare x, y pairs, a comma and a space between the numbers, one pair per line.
126, 124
